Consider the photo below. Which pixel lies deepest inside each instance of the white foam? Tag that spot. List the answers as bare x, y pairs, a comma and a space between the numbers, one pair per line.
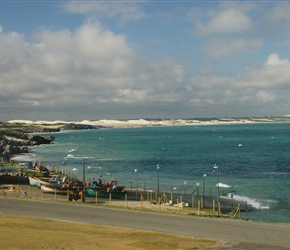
255, 203
69, 156
222, 185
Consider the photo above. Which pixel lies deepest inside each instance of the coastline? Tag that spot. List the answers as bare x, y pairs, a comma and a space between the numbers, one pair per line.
16, 134
131, 123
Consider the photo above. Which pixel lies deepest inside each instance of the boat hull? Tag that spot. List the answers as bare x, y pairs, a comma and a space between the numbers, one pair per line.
105, 194
53, 190
11, 179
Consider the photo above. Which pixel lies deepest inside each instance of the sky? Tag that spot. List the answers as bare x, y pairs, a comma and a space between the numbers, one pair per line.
92, 60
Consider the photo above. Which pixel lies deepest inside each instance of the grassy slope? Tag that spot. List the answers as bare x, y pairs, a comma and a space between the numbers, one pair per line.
18, 232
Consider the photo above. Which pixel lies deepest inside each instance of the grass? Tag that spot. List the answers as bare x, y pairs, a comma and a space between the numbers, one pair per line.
20, 232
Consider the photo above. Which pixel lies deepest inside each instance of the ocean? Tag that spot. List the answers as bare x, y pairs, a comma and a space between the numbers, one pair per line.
251, 159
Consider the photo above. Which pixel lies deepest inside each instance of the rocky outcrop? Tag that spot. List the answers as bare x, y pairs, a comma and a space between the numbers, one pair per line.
16, 139
15, 142
73, 126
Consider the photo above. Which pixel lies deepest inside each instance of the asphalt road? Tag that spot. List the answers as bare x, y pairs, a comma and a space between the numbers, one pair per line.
239, 234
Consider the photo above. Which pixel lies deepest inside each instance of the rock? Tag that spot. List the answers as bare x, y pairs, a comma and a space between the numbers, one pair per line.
15, 142
38, 140
73, 126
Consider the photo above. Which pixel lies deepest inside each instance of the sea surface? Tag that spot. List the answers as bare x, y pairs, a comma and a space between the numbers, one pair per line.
252, 159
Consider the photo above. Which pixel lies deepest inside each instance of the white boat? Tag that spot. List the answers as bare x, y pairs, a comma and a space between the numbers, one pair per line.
53, 189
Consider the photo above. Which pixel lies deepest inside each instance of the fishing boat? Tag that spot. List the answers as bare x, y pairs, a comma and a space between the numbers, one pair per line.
105, 194
13, 176
32, 181
106, 190
56, 180
13, 179
54, 189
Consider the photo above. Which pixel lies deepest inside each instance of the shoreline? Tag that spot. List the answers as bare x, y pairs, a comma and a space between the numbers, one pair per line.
133, 123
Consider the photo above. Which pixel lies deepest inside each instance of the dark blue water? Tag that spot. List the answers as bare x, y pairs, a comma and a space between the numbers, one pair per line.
253, 159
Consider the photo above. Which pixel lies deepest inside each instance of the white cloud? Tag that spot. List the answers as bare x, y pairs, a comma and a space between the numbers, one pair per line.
229, 21
224, 47
274, 59
273, 76
92, 72
266, 97
124, 11
83, 70
280, 12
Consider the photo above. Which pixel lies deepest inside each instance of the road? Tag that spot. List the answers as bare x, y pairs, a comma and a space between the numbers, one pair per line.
240, 234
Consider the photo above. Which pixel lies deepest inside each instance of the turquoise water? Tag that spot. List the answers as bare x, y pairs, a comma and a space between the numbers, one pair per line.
253, 159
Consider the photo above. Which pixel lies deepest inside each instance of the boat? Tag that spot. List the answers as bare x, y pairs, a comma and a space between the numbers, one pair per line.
105, 190
14, 179
32, 181
38, 181
13, 176
105, 194
54, 189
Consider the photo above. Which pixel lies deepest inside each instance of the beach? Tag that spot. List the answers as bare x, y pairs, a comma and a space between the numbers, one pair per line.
131, 123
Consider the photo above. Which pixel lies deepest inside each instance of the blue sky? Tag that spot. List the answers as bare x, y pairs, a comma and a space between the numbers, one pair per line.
75, 60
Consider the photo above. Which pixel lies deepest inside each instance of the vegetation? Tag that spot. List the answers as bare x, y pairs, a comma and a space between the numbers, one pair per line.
34, 233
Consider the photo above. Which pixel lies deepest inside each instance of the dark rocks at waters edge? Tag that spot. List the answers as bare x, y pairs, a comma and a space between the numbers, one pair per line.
16, 140
73, 126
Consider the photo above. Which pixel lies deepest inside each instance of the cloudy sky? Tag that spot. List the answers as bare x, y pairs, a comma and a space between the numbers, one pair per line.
76, 60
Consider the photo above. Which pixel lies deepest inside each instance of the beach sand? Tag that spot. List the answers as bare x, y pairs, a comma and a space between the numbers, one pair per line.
130, 123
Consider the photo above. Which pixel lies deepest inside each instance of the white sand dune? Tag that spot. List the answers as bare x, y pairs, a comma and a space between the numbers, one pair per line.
157, 122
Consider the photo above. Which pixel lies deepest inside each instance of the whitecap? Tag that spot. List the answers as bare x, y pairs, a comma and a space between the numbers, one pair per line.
255, 203
222, 185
